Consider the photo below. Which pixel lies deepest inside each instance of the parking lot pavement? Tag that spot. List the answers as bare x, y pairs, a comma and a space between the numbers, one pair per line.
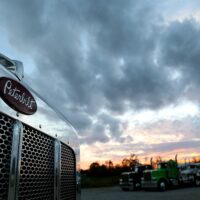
115, 193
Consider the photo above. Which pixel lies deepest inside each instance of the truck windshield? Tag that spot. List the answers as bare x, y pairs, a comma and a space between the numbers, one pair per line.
162, 165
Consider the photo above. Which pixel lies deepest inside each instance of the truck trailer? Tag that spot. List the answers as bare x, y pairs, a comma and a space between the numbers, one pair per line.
39, 148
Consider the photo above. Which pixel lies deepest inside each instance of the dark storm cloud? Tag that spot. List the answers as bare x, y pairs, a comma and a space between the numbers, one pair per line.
105, 128
96, 133
100, 55
180, 47
179, 50
165, 147
81, 119
112, 124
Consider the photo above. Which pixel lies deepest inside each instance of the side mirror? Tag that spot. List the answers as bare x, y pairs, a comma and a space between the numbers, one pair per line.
14, 66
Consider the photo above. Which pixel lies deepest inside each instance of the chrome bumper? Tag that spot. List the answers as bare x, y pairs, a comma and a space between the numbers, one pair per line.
149, 184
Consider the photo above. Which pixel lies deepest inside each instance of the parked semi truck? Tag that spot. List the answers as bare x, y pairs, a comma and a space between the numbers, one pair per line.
132, 180
190, 174
39, 149
165, 175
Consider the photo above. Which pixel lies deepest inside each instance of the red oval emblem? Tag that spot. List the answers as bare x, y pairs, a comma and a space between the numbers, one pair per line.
17, 96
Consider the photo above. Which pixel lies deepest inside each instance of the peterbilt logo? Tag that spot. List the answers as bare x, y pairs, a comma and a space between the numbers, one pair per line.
17, 96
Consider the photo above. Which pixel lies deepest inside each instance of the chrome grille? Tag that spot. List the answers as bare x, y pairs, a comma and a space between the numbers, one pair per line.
147, 176
125, 177
6, 125
68, 175
37, 165
36, 175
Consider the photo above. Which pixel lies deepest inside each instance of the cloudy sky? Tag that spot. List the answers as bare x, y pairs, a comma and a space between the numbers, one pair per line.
126, 73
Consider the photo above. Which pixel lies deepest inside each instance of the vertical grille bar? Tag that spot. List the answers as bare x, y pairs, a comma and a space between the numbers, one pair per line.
57, 169
15, 160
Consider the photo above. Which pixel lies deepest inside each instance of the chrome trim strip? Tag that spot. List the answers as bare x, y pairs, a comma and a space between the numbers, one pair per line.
57, 169
15, 161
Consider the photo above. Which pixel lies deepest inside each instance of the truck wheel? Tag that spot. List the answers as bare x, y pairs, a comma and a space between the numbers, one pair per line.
162, 185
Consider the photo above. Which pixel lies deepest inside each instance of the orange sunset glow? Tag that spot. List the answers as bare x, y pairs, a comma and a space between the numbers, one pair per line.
149, 135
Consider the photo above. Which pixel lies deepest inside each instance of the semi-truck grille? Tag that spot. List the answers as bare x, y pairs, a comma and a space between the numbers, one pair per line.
68, 176
125, 177
37, 165
36, 174
6, 125
147, 176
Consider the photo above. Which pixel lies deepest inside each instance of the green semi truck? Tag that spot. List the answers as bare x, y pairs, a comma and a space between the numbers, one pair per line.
165, 175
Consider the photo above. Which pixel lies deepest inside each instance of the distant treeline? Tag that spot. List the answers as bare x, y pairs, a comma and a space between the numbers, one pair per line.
107, 174
109, 169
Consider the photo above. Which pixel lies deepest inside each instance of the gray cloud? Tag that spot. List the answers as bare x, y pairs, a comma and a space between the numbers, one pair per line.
101, 55
157, 150
104, 128
179, 49
148, 149
187, 127
96, 133
165, 147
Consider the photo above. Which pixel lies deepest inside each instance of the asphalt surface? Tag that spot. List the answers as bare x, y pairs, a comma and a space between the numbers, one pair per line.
115, 193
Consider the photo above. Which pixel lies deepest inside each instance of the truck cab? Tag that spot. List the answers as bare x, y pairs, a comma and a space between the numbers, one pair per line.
132, 180
166, 174
190, 174
39, 148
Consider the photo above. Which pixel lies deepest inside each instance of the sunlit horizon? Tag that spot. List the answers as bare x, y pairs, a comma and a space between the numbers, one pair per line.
182, 158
